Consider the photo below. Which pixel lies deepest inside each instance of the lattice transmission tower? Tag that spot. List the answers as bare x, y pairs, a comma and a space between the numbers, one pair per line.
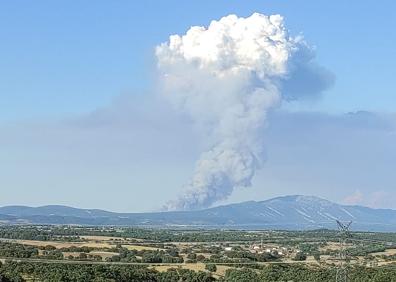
342, 274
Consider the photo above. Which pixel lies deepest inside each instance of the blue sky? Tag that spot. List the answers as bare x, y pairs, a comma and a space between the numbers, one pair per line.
66, 68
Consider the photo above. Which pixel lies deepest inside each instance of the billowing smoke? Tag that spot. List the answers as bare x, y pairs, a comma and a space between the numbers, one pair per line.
227, 77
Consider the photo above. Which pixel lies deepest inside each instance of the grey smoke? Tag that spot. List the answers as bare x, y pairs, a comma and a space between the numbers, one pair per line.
227, 78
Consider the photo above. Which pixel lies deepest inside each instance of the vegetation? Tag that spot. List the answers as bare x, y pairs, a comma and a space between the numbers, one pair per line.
211, 267
12, 271
17, 250
65, 272
53, 253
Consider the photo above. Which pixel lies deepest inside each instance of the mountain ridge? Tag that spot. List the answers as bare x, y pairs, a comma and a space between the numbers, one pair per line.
284, 212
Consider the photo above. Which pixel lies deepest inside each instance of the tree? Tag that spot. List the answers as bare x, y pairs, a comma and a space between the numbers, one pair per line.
49, 248
300, 256
211, 267
200, 257
192, 256
82, 256
241, 275
316, 256
4, 279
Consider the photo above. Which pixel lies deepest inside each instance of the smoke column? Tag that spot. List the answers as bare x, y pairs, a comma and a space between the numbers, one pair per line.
227, 77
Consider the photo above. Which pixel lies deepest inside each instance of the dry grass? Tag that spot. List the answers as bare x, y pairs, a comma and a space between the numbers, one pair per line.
140, 248
333, 246
73, 254
221, 270
97, 245
195, 266
388, 252
92, 244
101, 238
59, 245
103, 254
190, 266
163, 268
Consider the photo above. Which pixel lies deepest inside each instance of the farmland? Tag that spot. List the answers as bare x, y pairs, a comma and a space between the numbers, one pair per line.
206, 255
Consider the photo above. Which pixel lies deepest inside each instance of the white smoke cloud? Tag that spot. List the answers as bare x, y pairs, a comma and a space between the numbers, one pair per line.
227, 77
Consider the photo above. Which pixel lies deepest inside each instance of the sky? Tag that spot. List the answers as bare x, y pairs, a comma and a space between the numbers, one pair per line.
81, 125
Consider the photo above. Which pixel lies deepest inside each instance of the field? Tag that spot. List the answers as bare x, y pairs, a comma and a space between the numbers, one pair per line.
214, 253
98, 243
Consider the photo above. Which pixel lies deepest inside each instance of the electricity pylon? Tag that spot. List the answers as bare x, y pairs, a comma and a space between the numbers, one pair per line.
342, 274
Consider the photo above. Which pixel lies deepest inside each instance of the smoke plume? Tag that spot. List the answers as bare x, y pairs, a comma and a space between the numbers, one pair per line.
227, 77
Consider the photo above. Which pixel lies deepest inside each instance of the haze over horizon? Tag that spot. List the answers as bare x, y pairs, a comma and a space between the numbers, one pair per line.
83, 122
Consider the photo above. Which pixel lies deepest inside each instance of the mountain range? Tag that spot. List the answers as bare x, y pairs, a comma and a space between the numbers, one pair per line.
288, 212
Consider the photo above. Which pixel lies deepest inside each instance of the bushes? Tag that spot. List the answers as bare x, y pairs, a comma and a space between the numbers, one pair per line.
211, 267
4, 279
13, 271
300, 256
70, 272
241, 275
17, 250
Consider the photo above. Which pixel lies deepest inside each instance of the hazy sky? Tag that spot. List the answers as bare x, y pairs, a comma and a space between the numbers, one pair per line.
80, 123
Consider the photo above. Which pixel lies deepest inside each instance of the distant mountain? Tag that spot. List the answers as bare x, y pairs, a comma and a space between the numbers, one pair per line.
288, 212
